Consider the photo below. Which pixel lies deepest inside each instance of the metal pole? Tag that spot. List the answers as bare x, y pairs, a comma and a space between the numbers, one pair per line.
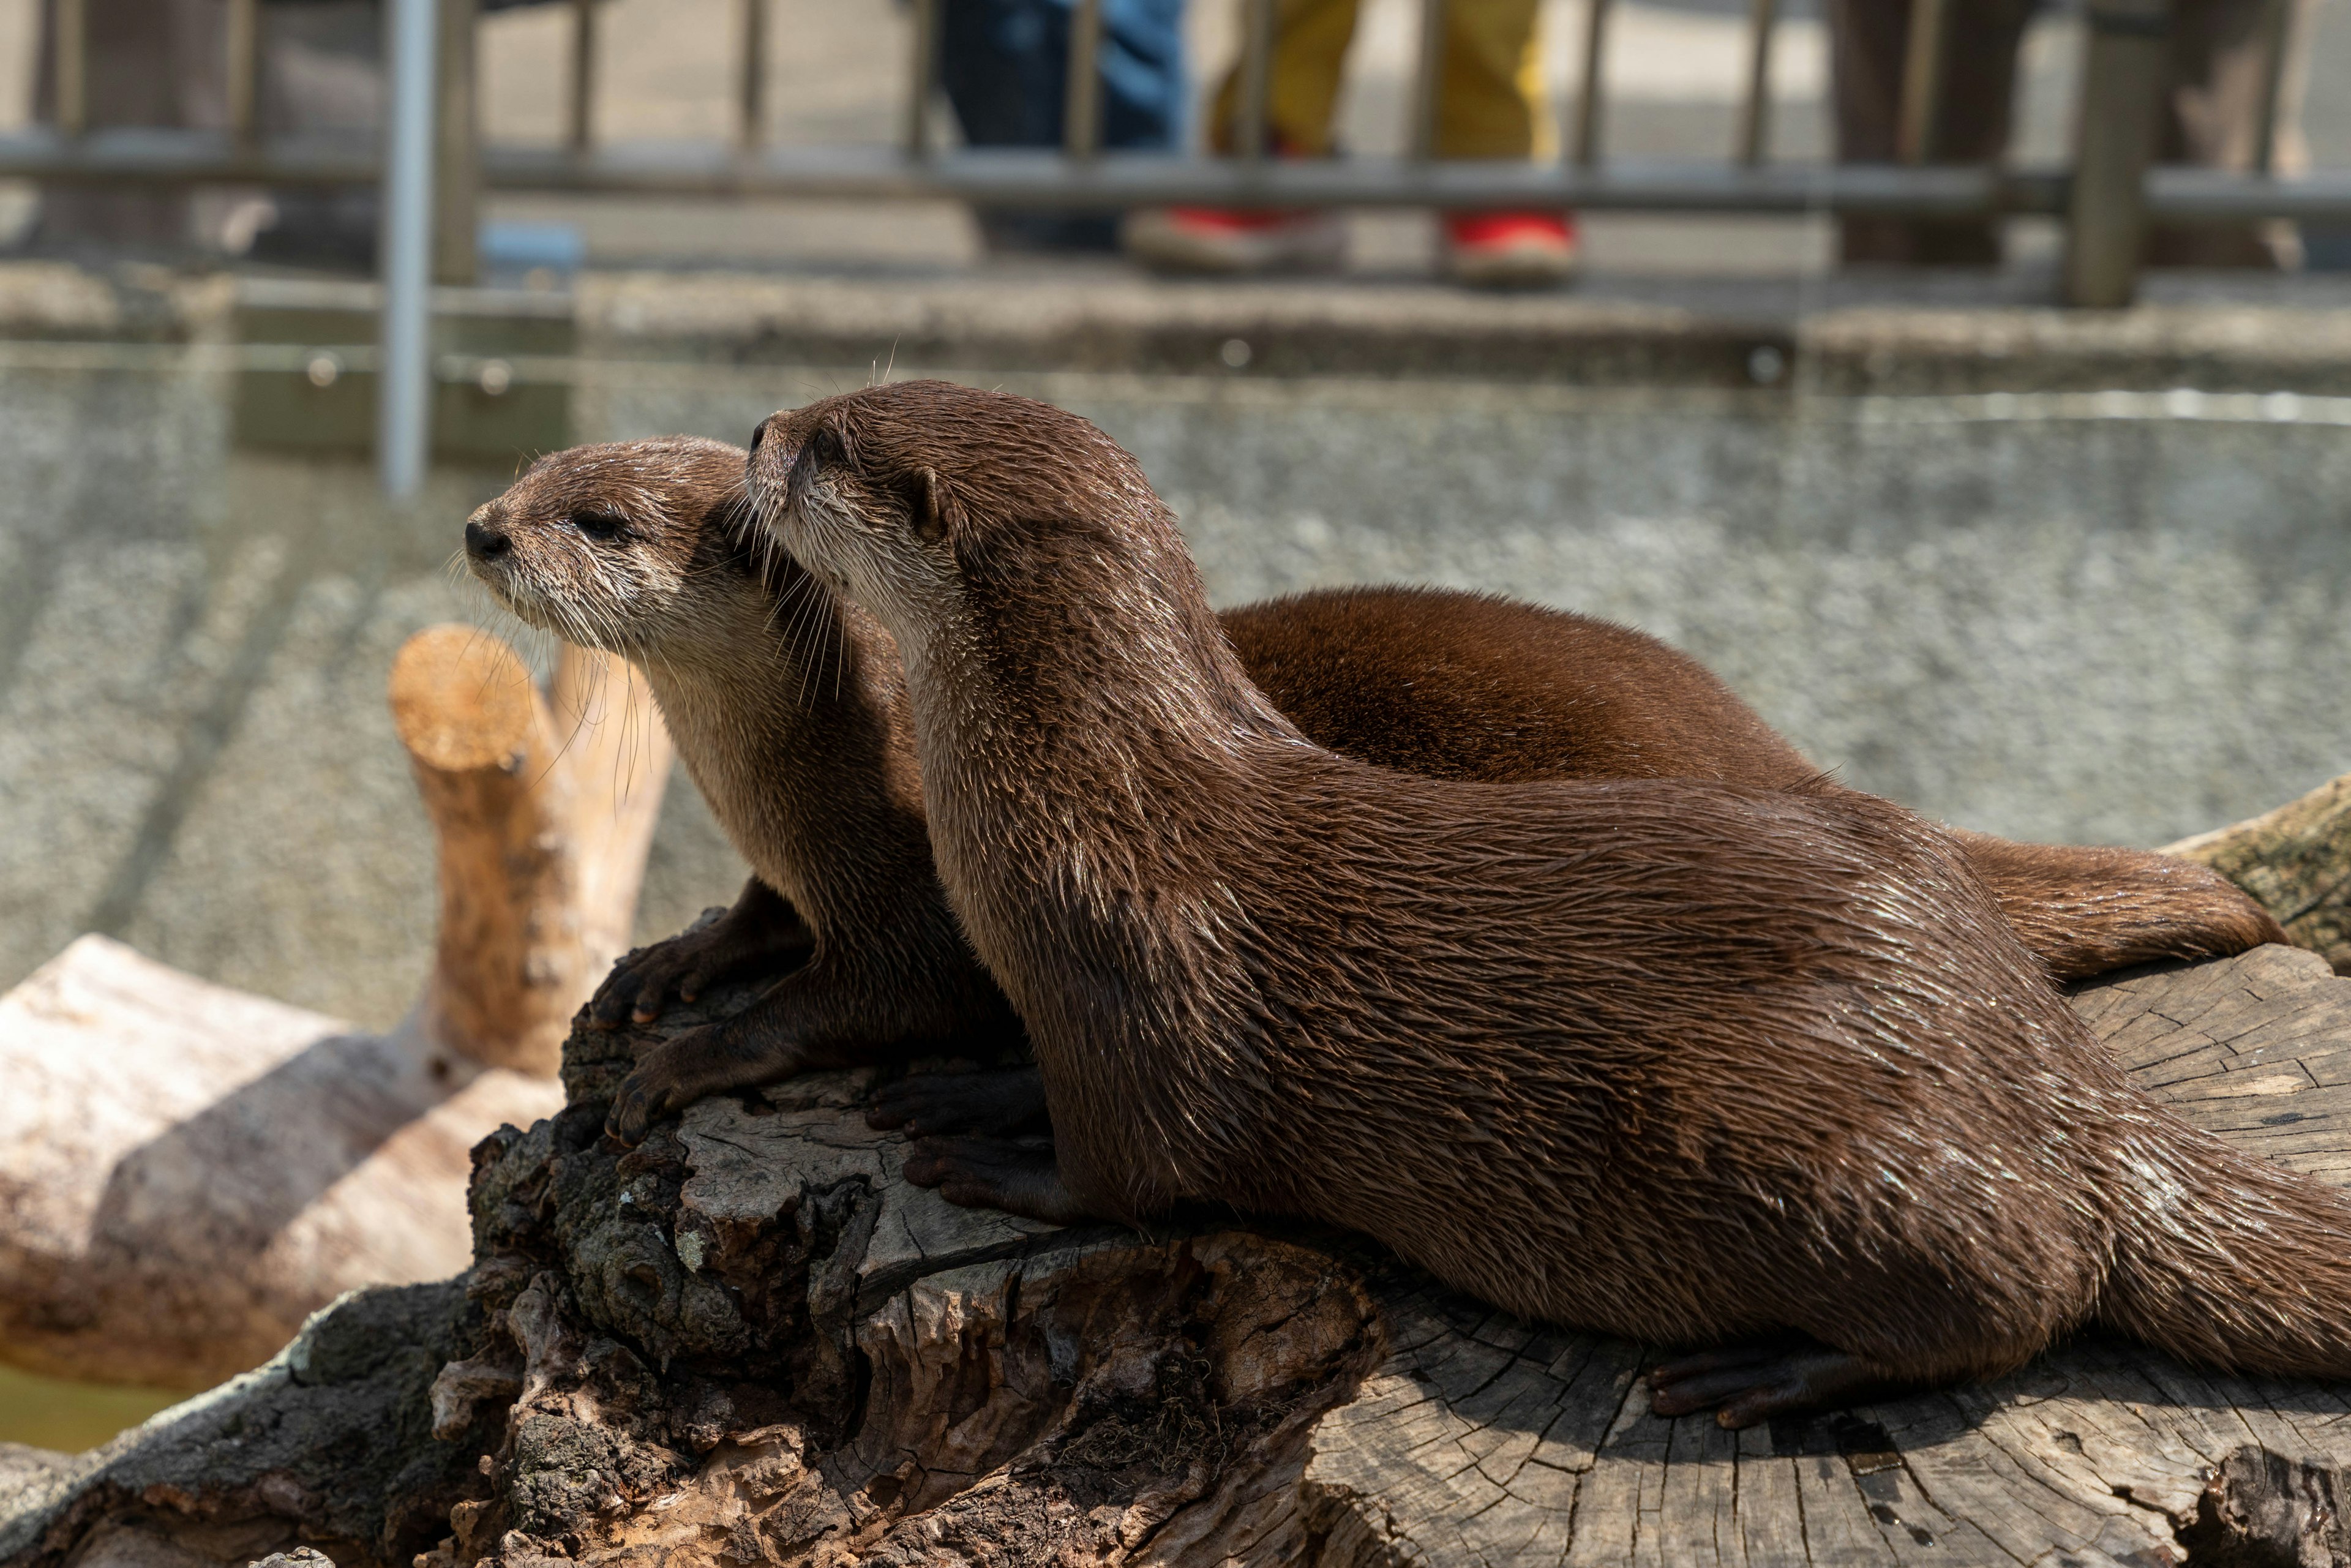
1755, 116
72, 60
244, 70
583, 75
923, 79
752, 130
2277, 25
2123, 73
1428, 78
1257, 78
1922, 81
1588, 104
457, 169
1082, 104
404, 387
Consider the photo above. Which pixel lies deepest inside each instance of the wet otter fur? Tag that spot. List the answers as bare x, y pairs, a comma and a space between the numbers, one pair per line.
786, 707
1665, 1058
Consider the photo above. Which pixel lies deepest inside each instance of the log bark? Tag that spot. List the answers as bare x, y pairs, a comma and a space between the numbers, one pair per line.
750, 1341
2297, 862
188, 1172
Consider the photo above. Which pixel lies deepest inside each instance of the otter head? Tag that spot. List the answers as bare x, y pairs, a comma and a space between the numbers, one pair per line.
926, 501
639, 548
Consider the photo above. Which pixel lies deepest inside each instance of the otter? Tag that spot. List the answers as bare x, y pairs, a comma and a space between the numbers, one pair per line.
789, 713
1685, 1061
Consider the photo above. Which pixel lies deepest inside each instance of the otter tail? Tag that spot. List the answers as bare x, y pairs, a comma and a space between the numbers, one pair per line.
2227, 1260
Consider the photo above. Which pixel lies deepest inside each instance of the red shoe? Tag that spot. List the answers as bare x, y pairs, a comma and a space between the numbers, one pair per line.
1509, 250
1210, 239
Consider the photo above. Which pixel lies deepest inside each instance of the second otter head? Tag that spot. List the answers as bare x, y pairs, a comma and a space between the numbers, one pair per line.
639, 548
927, 501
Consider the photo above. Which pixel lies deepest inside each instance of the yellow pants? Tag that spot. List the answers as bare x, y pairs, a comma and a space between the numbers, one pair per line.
1490, 102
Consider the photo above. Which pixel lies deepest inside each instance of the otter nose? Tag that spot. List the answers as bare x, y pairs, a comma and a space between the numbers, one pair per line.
759, 435
486, 543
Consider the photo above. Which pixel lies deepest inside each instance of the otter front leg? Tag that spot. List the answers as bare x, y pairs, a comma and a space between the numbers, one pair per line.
1748, 1384
762, 933
988, 1173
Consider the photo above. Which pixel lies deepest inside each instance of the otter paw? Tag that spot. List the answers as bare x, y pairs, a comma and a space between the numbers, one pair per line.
689, 963
1748, 1384
996, 1104
991, 1173
690, 1066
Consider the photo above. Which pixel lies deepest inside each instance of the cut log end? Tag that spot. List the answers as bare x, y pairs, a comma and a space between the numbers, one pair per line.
462, 701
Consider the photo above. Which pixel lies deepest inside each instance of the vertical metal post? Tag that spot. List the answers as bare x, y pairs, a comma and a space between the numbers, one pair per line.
244, 71
405, 385
2123, 73
1755, 115
72, 63
583, 76
922, 78
1428, 78
457, 166
752, 128
1589, 107
1082, 103
1255, 130
2277, 25
1922, 81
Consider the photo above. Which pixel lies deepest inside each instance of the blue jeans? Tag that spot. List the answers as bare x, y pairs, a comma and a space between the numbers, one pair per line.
1005, 65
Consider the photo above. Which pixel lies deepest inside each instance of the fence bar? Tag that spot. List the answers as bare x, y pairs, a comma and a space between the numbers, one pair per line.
583, 75
1082, 105
1755, 115
71, 59
1922, 81
2277, 26
922, 78
2123, 73
752, 84
244, 69
405, 388
1256, 132
1428, 78
456, 150
1588, 104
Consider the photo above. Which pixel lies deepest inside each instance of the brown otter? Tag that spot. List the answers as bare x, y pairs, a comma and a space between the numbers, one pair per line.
1664, 1057
788, 712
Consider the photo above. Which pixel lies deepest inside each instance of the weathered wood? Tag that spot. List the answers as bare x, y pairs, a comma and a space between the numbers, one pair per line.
188, 1172
2296, 861
542, 823
750, 1341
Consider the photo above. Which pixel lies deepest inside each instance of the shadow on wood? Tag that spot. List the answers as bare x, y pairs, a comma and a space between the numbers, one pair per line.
187, 1172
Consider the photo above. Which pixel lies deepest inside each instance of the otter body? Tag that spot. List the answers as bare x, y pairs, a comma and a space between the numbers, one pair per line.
1662, 1056
789, 711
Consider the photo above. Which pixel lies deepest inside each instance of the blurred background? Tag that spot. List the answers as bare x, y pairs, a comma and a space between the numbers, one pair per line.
2053, 573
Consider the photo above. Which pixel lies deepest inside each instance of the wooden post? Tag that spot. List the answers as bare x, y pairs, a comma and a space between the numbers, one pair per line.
457, 177
2122, 83
540, 820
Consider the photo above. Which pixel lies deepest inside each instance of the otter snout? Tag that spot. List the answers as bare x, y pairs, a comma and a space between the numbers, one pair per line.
484, 542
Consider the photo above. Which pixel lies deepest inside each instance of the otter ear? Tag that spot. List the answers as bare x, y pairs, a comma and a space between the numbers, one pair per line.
930, 506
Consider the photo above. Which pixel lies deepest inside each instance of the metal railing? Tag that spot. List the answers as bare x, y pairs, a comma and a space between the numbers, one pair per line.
2107, 197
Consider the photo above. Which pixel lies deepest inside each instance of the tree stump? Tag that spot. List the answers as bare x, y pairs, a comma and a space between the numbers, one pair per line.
750, 1341
2296, 861
188, 1172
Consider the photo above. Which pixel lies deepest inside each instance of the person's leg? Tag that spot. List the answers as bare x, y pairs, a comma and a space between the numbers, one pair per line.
1869, 45
1144, 85
1490, 104
1004, 65
1310, 43
2211, 115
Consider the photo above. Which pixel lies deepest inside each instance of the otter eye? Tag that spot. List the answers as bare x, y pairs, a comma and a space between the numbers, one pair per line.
601, 527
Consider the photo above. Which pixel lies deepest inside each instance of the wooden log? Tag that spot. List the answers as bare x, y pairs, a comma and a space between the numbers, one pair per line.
2296, 861
188, 1172
751, 1342
542, 825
